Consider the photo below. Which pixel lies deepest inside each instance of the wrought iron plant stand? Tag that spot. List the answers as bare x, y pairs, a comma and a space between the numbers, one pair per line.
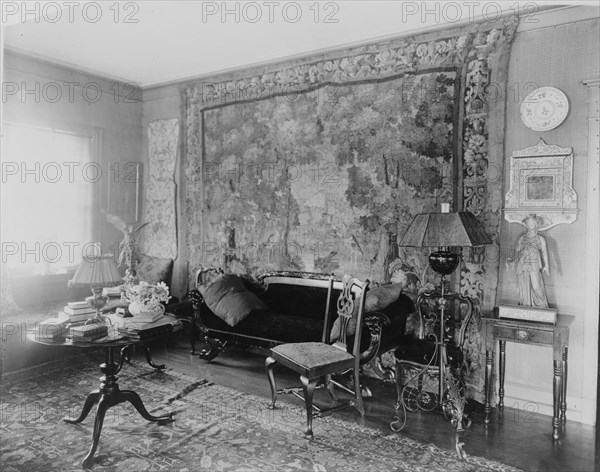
436, 357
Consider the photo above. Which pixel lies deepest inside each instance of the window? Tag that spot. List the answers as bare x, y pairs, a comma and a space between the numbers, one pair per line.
49, 184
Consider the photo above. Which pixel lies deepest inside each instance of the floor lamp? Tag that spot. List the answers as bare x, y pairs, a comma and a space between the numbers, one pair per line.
443, 231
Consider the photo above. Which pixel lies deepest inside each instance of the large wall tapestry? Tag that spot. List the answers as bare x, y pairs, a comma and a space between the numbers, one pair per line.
160, 238
321, 165
324, 181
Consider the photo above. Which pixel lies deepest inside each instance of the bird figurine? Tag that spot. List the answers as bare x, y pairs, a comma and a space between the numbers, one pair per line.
128, 246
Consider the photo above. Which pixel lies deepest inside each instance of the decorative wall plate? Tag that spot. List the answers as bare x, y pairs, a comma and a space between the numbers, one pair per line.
544, 109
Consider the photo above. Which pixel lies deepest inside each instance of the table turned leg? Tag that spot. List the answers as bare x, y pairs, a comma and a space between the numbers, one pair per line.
488, 387
563, 393
556, 391
150, 361
501, 369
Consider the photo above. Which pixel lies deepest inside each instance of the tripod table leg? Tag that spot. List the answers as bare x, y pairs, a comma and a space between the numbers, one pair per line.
103, 405
133, 398
90, 401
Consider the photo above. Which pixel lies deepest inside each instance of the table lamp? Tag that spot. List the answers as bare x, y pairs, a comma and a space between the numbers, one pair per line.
443, 231
96, 272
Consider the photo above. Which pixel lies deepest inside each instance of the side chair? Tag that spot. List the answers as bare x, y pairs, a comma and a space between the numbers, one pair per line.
317, 360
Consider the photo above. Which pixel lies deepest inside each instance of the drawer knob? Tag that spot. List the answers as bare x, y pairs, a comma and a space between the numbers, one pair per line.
522, 335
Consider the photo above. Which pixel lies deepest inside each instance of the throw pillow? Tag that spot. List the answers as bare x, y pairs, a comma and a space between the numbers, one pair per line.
155, 269
382, 296
228, 298
376, 299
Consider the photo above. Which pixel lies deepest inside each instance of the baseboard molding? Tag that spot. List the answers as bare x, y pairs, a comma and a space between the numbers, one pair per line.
31, 370
529, 402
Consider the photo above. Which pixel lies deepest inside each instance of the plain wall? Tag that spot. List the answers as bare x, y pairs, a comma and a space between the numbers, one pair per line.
560, 51
52, 96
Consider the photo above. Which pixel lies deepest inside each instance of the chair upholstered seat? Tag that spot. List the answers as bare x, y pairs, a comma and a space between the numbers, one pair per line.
313, 357
317, 360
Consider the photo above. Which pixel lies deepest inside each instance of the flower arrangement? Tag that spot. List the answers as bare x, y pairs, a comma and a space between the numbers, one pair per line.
148, 296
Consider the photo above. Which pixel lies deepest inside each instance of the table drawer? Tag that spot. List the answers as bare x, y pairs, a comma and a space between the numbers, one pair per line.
522, 335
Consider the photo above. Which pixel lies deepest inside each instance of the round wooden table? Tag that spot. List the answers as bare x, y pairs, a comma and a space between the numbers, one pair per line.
108, 394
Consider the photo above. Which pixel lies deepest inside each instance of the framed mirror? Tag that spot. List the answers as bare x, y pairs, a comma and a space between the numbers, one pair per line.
541, 183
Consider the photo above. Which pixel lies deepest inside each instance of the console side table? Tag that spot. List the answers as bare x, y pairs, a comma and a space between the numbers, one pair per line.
528, 332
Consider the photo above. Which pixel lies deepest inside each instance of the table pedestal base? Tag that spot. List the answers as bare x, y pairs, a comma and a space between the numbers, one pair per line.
107, 396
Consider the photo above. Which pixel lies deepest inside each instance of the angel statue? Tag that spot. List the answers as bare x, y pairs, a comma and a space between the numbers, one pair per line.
128, 246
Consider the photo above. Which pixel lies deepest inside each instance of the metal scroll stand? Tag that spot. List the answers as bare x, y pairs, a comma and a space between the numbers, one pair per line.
451, 396
445, 262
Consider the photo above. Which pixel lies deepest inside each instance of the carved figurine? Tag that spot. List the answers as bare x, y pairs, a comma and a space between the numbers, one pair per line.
128, 246
532, 259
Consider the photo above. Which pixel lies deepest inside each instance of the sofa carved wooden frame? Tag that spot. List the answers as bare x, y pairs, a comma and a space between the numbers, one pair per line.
217, 341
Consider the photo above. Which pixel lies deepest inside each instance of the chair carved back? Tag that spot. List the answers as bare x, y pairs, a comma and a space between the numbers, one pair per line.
349, 308
345, 307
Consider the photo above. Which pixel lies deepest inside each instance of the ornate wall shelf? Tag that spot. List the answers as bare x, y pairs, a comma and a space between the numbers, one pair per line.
541, 183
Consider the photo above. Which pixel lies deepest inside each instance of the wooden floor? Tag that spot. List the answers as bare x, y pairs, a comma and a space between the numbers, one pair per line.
516, 439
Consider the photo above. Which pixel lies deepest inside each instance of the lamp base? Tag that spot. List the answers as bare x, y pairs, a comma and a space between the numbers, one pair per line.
97, 302
444, 262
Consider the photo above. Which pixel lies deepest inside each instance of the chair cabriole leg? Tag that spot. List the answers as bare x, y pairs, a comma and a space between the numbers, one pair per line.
309, 389
269, 363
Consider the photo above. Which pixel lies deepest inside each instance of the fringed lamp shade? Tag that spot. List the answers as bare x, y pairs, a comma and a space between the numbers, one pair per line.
445, 230
96, 272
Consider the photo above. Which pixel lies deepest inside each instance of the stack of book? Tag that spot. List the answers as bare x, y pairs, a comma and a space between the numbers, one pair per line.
134, 329
147, 317
52, 329
88, 332
78, 312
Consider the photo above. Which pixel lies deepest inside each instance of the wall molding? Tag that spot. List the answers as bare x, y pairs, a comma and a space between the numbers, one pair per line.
590, 336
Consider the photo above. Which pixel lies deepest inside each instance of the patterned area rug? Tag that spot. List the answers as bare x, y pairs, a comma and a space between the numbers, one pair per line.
215, 429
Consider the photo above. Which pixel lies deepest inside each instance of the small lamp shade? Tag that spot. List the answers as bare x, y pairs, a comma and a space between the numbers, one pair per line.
460, 228
96, 272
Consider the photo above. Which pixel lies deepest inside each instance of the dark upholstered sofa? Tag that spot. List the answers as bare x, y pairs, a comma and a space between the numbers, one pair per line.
294, 311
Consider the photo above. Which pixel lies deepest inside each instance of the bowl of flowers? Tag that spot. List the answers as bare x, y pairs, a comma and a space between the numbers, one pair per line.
145, 298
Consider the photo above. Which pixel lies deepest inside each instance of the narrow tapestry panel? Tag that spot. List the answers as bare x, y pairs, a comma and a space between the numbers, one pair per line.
160, 237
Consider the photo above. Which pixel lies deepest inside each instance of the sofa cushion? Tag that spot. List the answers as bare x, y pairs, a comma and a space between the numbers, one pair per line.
228, 298
380, 297
155, 269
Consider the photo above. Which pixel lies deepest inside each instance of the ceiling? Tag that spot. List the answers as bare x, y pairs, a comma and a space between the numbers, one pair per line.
157, 42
